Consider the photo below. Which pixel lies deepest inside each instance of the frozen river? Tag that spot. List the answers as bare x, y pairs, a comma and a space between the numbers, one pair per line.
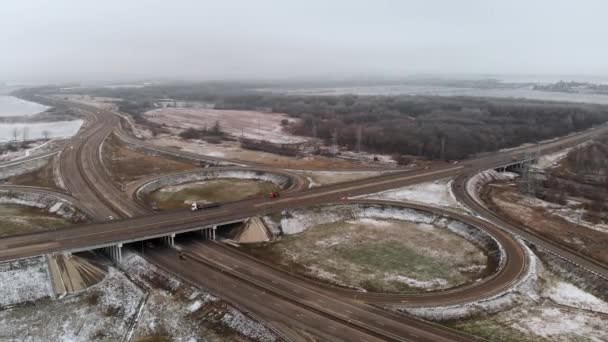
38, 130
12, 106
408, 89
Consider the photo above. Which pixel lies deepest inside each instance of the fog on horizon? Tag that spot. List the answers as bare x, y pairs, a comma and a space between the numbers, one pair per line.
72, 41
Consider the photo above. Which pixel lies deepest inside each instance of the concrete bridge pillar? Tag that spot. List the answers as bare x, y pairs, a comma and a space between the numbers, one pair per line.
114, 253
169, 240
208, 233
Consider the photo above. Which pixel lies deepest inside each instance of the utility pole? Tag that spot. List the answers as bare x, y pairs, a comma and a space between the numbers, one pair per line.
442, 153
359, 136
334, 138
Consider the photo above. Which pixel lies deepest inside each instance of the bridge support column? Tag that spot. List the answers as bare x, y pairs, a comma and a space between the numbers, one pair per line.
169, 240
114, 253
208, 233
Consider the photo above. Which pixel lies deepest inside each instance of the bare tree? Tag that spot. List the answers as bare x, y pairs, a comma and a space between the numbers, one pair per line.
46, 134
15, 133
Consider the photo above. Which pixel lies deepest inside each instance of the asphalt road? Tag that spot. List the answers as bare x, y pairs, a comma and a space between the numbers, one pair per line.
345, 319
526, 233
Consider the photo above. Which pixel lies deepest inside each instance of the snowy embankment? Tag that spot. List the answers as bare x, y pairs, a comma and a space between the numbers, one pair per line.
475, 183
438, 193
523, 290
24, 281
103, 312
184, 312
18, 168
53, 204
281, 180
300, 220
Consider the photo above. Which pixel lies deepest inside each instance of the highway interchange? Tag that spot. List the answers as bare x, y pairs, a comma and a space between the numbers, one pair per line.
298, 308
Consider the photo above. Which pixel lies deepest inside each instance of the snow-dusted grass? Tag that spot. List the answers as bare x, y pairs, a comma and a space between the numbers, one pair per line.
248, 124
103, 312
437, 193
280, 180
526, 205
376, 248
475, 183
176, 311
23, 281
319, 178
569, 295
552, 309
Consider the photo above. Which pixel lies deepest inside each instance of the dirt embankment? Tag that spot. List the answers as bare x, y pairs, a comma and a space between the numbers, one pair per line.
507, 201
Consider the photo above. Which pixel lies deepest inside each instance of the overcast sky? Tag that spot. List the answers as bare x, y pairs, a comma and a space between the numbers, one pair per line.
80, 40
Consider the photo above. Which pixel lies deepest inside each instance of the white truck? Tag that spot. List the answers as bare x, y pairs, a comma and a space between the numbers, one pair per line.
198, 206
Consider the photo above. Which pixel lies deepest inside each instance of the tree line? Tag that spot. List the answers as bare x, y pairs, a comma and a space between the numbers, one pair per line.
427, 126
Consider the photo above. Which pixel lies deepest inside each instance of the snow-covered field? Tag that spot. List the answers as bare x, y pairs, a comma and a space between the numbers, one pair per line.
23, 281
177, 311
248, 124
102, 312
12, 106
553, 310
39, 130
437, 193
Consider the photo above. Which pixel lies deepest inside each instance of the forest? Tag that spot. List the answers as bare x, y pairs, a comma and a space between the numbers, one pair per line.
426, 126
432, 127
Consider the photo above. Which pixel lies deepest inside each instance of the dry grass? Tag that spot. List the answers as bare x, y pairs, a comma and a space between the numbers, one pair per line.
42, 177
378, 255
126, 165
16, 219
509, 202
232, 150
220, 190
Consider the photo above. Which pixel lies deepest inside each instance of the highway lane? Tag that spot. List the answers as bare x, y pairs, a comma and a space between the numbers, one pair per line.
461, 193
515, 265
295, 322
352, 314
79, 237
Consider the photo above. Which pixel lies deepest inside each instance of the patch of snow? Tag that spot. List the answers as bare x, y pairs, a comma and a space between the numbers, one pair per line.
55, 207
438, 193
366, 221
553, 322
551, 160
195, 306
216, 154
420, 284
475, 183
24, 280
567, 294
